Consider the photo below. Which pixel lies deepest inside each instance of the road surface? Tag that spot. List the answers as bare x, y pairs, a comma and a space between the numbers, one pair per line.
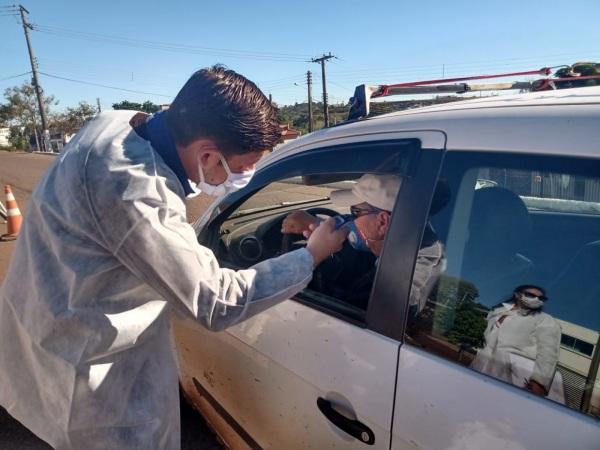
23, 171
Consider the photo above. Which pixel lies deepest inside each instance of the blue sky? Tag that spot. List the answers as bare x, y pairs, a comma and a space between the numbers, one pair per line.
375, 42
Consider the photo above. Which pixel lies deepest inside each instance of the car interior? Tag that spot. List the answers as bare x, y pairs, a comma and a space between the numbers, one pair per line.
252, 233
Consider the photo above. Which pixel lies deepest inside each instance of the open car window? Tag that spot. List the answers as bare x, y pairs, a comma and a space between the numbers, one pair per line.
250, 229
253, 232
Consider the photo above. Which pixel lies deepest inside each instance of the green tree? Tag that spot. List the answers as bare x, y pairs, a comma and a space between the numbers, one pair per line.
19, 112
454, 314
147, 106
72, 119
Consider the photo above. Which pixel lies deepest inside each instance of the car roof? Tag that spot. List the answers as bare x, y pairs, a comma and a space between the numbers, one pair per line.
565, 121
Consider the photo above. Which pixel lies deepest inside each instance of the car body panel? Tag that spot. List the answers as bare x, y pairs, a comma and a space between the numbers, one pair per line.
277, 364
473, 411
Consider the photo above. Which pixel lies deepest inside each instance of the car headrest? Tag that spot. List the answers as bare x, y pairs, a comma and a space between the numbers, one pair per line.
441, 197
499, 220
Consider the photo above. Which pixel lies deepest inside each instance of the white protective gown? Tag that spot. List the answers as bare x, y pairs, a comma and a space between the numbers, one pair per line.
105, 254
533, 336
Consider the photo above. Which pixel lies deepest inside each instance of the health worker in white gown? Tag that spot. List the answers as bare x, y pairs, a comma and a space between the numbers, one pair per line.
105, 254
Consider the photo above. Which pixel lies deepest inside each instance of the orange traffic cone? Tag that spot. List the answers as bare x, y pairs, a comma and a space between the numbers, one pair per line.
14, 215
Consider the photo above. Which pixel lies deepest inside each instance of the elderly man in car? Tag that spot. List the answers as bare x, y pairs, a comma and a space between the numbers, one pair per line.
371, 201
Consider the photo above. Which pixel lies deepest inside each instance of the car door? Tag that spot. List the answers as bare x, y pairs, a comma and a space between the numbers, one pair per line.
492, 247
309, 372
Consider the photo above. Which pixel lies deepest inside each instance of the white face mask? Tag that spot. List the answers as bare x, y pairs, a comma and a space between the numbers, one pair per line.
530, 301
233, 182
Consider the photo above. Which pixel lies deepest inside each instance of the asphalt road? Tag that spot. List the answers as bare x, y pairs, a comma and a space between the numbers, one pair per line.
23, 171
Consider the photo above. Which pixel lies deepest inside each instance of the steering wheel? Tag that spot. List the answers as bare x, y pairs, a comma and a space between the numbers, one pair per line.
286, 241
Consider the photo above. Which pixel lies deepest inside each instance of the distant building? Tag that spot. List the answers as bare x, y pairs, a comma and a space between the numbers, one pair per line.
4, 135
288, 133
579, 368
59, 140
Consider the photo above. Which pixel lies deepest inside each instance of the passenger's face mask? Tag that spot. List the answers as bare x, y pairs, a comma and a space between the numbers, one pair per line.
233, 182
355, 238
530, 301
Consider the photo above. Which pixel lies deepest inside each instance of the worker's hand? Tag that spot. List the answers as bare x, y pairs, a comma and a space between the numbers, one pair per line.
536, 388
298, 222
325, 240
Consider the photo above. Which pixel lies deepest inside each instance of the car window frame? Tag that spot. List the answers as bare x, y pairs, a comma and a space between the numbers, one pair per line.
387, 312
209, 236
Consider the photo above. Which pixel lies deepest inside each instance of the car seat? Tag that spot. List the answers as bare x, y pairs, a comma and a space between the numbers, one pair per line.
575, 295
499, 228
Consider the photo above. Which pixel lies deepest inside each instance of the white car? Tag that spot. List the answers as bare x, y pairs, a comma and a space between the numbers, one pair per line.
348, 365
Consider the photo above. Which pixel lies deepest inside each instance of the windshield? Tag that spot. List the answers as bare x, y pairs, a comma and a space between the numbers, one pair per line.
291, 191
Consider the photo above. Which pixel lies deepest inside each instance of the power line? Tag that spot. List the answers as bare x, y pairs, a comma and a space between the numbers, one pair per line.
487, 63
104, 85
16, 76
169, 46
281, 84
340, 86
80, 68
293, 77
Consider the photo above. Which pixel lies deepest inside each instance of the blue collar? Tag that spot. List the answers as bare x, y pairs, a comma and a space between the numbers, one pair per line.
160, 138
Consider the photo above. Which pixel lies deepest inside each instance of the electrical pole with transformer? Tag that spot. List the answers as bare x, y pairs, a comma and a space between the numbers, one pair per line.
321, 61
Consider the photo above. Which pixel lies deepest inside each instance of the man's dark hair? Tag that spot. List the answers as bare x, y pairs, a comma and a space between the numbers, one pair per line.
222, 105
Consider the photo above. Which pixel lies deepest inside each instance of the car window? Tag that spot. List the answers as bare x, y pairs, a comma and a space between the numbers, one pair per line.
518, 295
251, 229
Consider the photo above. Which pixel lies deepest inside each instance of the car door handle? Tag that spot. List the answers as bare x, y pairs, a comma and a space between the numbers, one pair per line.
354, 428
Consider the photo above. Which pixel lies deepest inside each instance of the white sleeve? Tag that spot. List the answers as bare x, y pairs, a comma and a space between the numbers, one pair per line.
161, 249
141, 220
428, 268
547, 335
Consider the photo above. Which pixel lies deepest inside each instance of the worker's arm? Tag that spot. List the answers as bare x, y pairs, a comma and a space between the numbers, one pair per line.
547, 335
166, 255
143, 224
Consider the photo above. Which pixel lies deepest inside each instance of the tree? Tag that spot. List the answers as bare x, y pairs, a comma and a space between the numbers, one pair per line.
19, 113
147, 106
73, 119
454, 314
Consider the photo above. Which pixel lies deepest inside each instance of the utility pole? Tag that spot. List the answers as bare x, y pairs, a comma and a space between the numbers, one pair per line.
35, 81
321, 61
98, 103
310, 110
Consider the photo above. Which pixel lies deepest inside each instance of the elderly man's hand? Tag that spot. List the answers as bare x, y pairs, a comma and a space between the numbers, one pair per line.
298, 222
325, 240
